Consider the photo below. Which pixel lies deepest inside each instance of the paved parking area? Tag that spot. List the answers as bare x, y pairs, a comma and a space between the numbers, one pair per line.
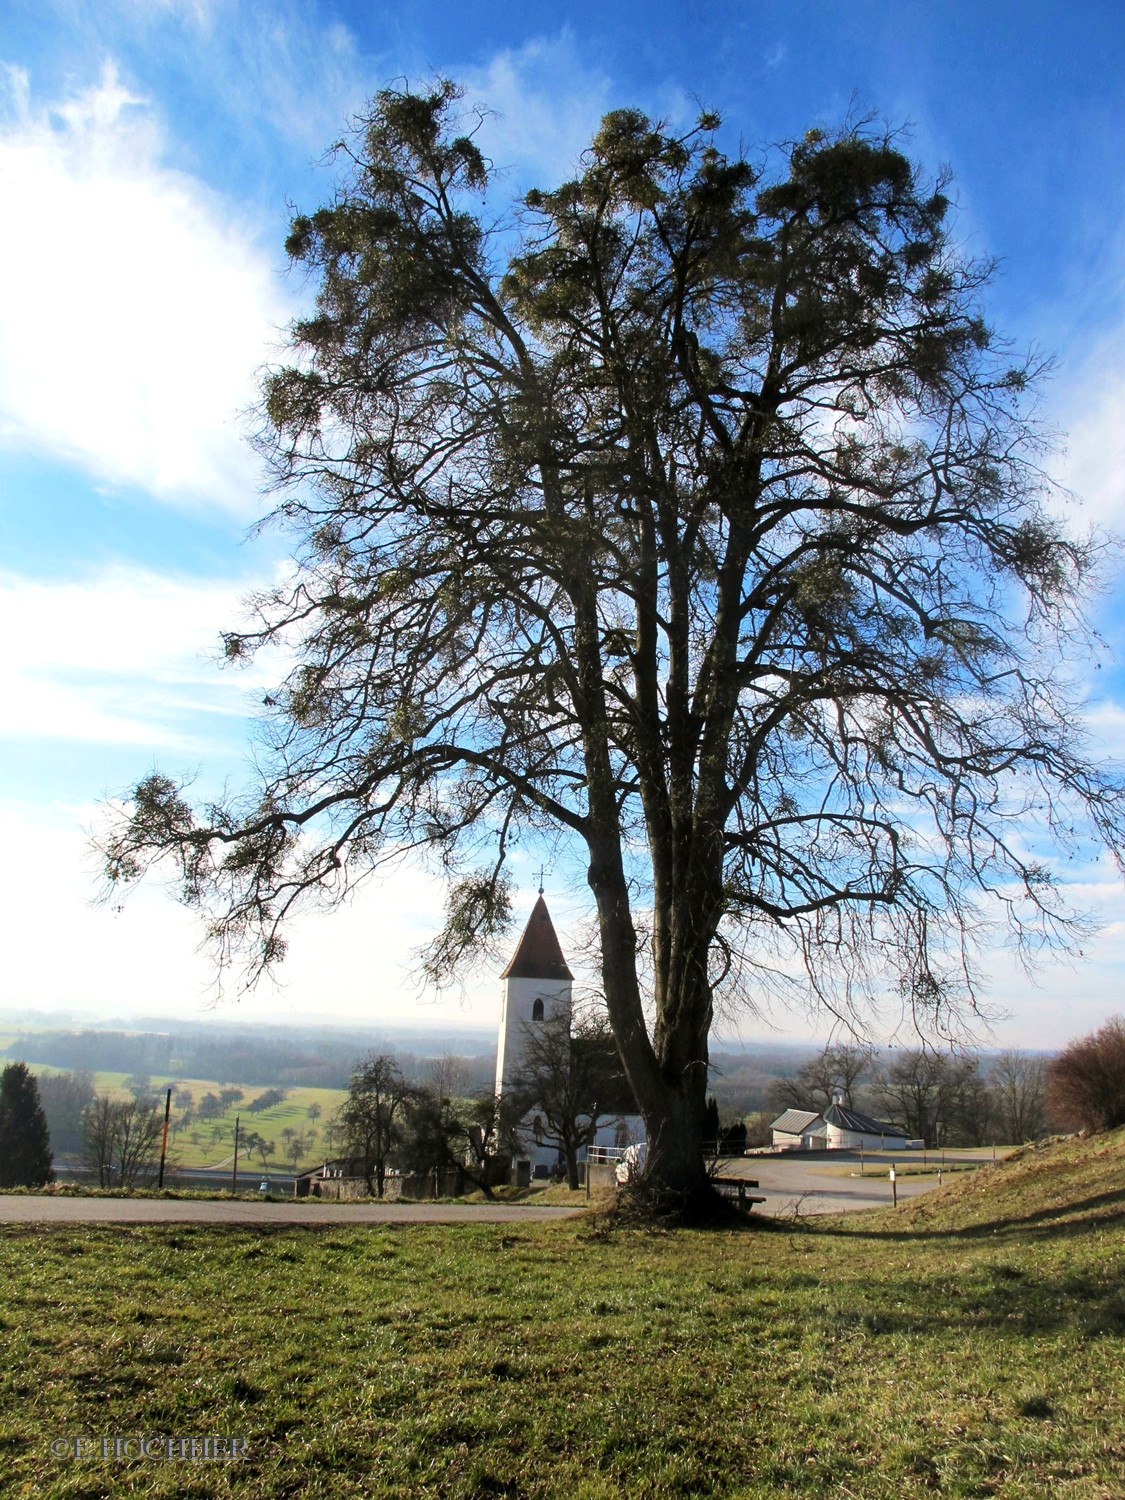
796, 1184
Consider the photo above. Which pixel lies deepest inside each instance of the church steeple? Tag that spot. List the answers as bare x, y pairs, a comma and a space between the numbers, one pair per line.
539, 954
535, 989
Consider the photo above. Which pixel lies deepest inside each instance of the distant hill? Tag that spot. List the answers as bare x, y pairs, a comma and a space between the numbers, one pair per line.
289, 1057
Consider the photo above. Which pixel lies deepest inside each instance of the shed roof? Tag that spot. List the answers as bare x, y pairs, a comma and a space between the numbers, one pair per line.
796, 1121
851, 1119
538, 955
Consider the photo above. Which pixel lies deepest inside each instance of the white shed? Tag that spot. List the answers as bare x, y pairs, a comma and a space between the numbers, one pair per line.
799, 1130
848, 1130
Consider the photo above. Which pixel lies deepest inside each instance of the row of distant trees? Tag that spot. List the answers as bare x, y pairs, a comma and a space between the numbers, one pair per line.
572, 1078
569, 1082
117, 1141
423, 1126
939, 1097
960, 1099
257, 1058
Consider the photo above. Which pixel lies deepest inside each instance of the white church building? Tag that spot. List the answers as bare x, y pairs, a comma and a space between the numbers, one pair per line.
537, 987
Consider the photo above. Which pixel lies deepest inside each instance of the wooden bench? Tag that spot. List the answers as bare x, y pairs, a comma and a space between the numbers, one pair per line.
738, 1185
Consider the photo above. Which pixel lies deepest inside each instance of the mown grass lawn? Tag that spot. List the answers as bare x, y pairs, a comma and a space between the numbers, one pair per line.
970, 1344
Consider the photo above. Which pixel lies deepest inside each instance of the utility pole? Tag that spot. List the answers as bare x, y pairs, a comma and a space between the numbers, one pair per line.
164, 1141
234, 1173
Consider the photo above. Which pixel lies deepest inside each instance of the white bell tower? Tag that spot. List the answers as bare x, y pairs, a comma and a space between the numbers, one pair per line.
534, 987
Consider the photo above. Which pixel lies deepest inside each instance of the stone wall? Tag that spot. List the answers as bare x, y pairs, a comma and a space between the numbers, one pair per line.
411, 1189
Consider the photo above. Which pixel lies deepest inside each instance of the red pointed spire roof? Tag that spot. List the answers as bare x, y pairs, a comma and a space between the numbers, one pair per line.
538, 955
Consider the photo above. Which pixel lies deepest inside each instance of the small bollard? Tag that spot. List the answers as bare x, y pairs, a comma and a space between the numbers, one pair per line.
894, 1187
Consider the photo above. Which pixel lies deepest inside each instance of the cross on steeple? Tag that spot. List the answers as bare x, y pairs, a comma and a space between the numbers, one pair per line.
540, 879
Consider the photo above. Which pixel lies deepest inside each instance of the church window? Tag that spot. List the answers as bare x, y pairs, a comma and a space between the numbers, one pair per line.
537, 1011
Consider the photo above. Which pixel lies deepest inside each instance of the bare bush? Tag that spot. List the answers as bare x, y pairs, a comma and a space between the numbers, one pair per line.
1086, 1082
121, 1141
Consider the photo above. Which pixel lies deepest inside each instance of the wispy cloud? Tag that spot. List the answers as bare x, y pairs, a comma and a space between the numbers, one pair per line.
545, 102
282, 66
121, 657
547, 99
135, 307
1090, 408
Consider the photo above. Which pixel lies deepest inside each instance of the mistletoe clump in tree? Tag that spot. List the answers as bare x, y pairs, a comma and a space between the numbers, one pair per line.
693, 514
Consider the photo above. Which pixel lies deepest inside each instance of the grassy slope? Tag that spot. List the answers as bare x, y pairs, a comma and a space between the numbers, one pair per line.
216, 1149
969, 1344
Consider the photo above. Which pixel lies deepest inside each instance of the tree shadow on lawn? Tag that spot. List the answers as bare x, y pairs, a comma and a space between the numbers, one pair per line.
1071, 1218
995, 1297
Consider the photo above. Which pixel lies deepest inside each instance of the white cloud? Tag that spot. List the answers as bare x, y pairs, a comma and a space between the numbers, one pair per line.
308, 80
137, 304
1105, 722
143, 957
1092, 413
546, 104
123, 656
134, 307
547, 100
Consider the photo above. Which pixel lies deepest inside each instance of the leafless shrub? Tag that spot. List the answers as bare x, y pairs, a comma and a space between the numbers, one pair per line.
1086, 1082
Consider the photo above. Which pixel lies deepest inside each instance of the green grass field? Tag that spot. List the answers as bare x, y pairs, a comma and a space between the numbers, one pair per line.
968, 1344
210, 1143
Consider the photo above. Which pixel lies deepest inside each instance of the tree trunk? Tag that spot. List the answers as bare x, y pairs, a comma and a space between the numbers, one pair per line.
674, 1182
669, 1074
572, 1167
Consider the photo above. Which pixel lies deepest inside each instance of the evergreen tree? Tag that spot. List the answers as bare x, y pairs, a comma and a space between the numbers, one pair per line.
711, 1126
25, 1145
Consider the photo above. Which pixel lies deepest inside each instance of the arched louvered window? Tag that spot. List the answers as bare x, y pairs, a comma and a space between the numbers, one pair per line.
537, 1011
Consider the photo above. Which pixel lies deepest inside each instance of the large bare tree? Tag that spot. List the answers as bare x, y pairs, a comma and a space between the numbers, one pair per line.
569, 1078
121, 1140
841, 1065
692, 514
1017, 1082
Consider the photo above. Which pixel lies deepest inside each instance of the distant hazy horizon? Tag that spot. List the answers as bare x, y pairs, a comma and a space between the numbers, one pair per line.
407, 1035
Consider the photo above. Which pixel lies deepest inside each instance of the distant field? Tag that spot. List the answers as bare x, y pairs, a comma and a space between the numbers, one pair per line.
970, 1344
210, 1143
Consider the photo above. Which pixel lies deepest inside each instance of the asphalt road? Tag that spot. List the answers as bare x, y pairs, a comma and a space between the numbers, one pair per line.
791, 1186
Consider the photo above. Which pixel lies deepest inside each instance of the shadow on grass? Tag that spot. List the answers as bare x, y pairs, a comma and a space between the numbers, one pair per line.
995, 1298
1075, 1216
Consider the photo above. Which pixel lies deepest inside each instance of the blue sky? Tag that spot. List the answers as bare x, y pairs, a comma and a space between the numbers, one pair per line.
149, 153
